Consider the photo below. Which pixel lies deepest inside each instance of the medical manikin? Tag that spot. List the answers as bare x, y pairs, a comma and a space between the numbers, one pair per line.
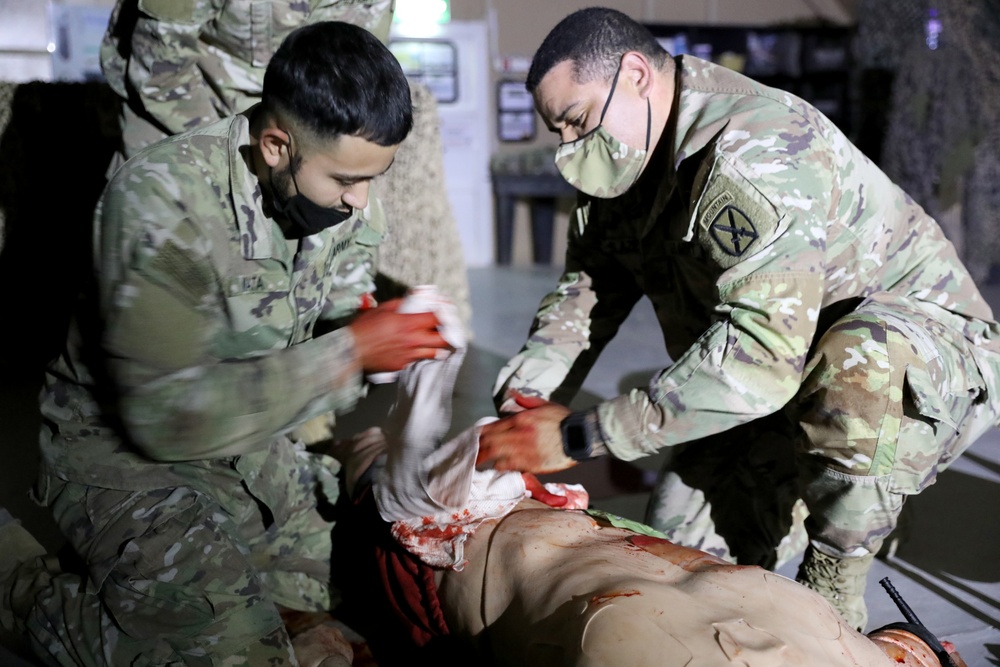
523, 583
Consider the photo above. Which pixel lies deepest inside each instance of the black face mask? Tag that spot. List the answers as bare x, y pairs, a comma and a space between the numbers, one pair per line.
306, 216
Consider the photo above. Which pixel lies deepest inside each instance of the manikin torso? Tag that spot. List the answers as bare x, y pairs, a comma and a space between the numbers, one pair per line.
553, 587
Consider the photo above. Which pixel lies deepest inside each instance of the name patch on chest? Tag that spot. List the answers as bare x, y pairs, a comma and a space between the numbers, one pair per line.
251, 284
340, 246
258, 283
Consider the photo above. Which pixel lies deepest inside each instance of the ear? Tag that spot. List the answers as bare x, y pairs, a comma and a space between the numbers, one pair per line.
272, 140
637, 70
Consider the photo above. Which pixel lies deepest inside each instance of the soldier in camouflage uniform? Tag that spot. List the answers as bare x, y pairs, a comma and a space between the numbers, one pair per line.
181, 64
830, 352
231, 263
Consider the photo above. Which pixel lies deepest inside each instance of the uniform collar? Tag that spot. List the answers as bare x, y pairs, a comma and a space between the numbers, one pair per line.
659, 180
260, 235
694, 121
707, 95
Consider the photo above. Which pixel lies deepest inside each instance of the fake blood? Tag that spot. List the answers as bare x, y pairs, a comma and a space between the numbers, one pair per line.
430, 531
601, 599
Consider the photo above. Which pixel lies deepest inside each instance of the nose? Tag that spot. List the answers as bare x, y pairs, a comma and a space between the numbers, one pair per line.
568, 135
356, 196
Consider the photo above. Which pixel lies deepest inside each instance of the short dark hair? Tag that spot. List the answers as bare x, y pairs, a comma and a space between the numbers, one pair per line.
335, 78
594, 39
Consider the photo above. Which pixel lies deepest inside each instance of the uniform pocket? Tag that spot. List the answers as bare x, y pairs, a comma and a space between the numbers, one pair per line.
257, 302
926, 398
918, 447
121, 518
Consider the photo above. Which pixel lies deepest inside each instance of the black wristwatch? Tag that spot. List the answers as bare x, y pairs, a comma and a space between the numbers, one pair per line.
580, 431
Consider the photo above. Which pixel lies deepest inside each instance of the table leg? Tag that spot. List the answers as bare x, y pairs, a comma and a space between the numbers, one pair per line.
543, 211
504, 228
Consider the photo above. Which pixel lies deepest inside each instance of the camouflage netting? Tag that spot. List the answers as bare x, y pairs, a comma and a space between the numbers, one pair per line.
423, 244
982, 207
942, 143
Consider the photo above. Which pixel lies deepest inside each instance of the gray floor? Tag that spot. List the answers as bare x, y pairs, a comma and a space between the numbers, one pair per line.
948, 571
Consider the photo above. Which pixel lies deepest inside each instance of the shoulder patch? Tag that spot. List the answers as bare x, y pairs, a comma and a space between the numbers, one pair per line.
734, 221
733, 231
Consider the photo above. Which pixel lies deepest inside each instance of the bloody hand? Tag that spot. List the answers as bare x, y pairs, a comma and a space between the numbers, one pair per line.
539, 493
387, 340
528, 441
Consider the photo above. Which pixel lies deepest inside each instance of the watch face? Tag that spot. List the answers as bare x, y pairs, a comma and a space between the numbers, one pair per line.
576, 445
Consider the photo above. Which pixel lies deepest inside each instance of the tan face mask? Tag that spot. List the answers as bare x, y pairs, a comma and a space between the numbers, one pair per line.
599, 165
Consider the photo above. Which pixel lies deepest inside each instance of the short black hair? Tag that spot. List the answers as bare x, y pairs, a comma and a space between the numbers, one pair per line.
594, 39
335, 78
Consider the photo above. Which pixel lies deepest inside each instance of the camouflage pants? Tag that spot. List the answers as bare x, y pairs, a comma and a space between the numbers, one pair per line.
189, 575
889, 397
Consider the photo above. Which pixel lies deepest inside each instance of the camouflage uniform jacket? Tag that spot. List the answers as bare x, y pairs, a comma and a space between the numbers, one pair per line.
183, 63
199, 344
751, 230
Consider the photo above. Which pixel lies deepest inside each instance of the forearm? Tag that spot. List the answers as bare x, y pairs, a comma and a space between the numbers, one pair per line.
743, 368
167, 78
573, 324
232, 407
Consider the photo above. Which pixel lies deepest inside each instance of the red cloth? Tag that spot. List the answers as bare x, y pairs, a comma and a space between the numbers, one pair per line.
389, 595
411, 591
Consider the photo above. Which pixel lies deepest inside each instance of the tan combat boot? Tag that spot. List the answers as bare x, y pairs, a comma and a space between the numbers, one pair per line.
840, 580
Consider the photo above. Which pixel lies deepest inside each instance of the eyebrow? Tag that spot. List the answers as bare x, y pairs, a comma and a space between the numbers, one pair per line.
561, 118
565, 112
352, 178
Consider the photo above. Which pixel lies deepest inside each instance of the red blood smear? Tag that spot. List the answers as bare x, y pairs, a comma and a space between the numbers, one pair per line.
601, 599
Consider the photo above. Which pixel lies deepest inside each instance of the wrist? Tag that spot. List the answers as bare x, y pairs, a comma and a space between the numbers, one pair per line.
582, 437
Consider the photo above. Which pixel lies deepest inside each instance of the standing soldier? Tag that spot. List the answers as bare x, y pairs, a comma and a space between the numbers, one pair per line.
831, 353
180, 65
